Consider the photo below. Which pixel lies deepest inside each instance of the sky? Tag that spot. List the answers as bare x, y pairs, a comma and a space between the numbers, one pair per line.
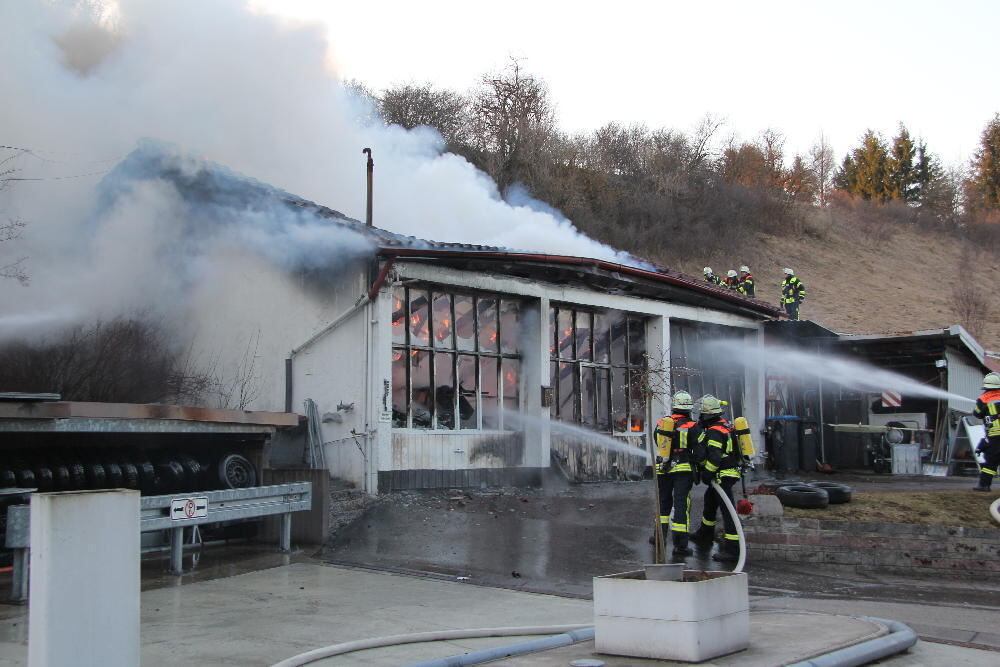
800, 67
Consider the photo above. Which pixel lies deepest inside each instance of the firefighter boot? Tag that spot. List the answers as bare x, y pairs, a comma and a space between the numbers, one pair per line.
985, 481
681, 548
704, 535
729, 552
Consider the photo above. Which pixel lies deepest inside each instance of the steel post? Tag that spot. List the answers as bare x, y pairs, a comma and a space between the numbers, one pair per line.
177, 550
19, 576
286, 532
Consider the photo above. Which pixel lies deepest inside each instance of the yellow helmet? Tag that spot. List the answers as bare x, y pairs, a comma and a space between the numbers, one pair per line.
710, 405
682, 401
991, 381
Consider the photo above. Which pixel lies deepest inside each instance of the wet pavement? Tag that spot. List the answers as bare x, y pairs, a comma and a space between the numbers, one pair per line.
556, 540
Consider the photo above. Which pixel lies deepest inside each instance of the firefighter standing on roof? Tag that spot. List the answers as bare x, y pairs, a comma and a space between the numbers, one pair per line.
732, 280
793, 291
747, 285
710, 277
721, 465
988, 409
677, 465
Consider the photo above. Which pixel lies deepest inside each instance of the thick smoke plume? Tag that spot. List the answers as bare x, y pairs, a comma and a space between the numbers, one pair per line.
94, 94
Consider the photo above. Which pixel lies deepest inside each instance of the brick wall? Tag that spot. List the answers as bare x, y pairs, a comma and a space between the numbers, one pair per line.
892, 548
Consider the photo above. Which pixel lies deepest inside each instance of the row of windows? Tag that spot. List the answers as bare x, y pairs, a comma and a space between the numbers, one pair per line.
456, 365
454, 360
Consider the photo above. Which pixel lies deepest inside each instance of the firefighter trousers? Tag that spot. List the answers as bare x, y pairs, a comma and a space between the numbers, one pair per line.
792, 308
675, 494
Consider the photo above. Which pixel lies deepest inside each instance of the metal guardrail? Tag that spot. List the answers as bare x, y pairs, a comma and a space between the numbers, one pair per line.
175, 513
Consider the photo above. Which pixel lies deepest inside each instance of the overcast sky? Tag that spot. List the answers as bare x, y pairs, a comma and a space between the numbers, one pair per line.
796, 66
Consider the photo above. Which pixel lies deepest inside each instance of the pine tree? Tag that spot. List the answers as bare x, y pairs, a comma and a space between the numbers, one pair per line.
983, 186
863, 173
899, 169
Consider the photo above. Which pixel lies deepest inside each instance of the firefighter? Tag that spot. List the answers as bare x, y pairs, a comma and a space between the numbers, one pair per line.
710, 277
988, 409
746, 281
793, 291
676, 470
722, 461
732, 280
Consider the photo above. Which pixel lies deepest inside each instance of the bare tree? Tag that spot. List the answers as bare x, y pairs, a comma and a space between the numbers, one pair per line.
413, 104
822, 165
513, 121
11, 228
243, 386
970, 301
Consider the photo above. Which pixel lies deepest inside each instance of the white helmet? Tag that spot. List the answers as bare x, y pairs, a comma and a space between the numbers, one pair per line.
790, 272
745, 269
710, 405
991, 381
707, 270
732, 273
682, 401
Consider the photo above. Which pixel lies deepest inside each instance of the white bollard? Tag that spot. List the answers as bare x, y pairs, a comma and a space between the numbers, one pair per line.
84, 607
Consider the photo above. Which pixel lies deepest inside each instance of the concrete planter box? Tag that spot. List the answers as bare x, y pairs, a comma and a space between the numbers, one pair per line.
705, 615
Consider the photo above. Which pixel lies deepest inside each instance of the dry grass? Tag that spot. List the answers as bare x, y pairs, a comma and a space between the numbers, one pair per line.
939, 508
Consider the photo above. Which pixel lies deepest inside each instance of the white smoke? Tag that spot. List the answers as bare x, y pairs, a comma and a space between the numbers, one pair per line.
85, 83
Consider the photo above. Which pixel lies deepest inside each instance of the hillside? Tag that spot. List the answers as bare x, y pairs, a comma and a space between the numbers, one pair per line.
859, 284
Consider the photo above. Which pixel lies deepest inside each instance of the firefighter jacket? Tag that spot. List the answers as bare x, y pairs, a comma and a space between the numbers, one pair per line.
713, 279
678, 448
747, 285
721, 452
732, 283
793, 290
988, 409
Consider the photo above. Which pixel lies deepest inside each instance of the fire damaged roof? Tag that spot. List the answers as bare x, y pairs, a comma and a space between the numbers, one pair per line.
202, 182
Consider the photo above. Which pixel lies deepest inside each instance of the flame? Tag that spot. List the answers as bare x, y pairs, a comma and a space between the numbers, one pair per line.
415, 319
397, 355
636, 424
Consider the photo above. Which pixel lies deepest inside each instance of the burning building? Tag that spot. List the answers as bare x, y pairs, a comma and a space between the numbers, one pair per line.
435, 364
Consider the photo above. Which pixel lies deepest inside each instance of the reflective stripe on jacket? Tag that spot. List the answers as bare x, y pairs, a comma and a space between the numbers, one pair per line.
793, 290
721, 454
988, 409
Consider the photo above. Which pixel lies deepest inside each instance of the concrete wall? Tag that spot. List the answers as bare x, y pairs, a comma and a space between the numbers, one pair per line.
890, 548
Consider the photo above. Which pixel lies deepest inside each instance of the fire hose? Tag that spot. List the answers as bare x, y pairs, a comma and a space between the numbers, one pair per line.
995, 510
739, 526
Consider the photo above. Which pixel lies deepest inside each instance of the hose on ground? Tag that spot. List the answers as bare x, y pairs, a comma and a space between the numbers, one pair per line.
413, 638
995, 510
900, 638
739, 526
500, 652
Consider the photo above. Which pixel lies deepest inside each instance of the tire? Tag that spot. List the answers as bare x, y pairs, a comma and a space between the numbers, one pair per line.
193, 472
77, 476
236, 472
771, 487
170, 476
147, 476
7, 478
97, 478
60, 477
130, 475
114, 474
43, 478
804, 496
838, 493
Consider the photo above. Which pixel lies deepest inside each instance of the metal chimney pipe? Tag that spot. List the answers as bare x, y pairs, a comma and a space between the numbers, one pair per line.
371, 171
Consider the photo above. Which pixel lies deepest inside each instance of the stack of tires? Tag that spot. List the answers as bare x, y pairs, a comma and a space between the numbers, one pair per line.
808, 495
152, 474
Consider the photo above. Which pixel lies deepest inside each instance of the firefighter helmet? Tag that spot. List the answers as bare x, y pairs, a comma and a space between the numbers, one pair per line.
682, 401
710, 405
745, 269
731, 273
790, 272
991, 381
707, 270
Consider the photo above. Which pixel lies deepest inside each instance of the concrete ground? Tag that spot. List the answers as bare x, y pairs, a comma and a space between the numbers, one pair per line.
501, 557
262, 617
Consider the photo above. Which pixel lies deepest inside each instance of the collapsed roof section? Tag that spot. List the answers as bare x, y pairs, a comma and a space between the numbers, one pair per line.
228, 194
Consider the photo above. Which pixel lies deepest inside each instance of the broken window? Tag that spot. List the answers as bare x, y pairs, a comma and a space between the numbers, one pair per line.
598, 366
454, 360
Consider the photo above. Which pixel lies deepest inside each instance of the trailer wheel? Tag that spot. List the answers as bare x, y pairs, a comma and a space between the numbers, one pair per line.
804, 496
236, 472
838, 493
